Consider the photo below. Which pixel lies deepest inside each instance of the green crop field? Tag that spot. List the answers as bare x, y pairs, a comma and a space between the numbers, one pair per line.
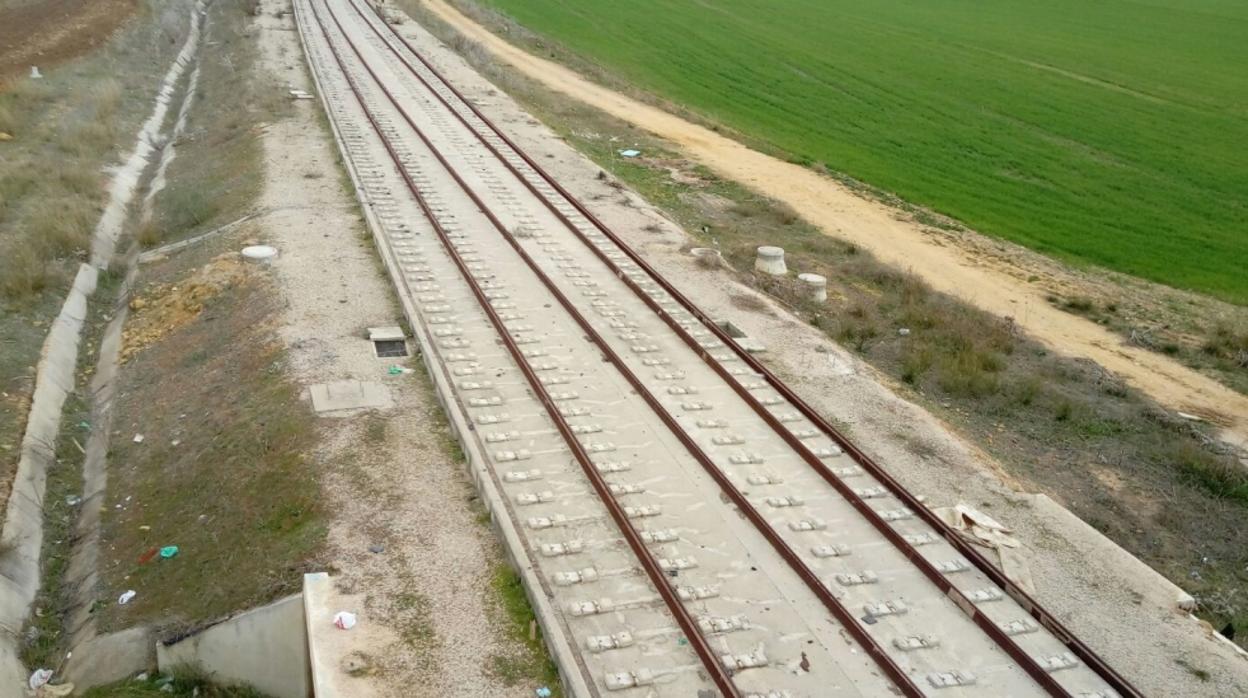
1111, 132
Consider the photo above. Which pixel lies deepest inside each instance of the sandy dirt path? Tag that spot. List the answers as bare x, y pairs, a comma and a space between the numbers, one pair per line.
875, 227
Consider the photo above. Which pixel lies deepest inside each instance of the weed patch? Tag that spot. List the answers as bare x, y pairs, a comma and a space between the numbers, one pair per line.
532, 664
184, 682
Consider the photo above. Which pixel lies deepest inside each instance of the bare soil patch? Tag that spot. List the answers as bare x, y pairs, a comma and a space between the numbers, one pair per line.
47, 33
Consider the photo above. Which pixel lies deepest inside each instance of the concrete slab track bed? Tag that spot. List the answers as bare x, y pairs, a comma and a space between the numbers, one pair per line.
689, 522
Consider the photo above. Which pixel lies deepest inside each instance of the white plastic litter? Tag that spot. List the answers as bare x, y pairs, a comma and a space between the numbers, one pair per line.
981, 529
34, 72
39, 677
125, 598
138, 438
344, 620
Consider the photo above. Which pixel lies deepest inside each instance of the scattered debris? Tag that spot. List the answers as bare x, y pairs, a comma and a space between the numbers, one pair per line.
127, 596
376, 548
630, 153
73, 500
398, 370
148, 556
34, 73
344, 620
904, 331
164, 308
39, 677
168, 552
138, 438
1190, 417
301, 94
5, 136
981, 529
543, 692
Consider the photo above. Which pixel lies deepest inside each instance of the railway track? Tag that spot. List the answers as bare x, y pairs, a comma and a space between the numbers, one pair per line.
694, 523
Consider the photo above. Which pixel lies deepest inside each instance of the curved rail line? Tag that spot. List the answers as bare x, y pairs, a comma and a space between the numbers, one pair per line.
1043, 617
719, 675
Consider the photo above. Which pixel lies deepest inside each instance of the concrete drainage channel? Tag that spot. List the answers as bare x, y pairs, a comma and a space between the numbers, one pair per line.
22, 536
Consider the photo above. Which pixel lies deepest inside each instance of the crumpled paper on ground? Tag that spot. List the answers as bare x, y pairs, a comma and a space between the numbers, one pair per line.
981, 529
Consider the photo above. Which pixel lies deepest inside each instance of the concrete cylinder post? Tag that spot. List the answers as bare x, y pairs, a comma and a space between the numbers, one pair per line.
770, 260
815, 286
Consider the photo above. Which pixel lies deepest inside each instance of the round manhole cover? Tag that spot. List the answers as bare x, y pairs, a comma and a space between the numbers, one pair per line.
259, 253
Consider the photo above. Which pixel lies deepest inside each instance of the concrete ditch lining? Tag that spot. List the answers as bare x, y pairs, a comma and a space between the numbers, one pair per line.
22, 536
519, 556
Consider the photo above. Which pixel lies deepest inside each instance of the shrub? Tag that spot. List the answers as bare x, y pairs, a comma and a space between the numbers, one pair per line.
1221, 476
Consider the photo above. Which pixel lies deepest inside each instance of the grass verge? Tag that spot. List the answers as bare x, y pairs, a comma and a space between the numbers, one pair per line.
217, 174
222, 471
939, 108
1149, 481
530, 664
66, 127
184, 682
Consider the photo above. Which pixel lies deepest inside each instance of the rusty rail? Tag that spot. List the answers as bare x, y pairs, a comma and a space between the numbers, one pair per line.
719, 675
804, 572
1045, 619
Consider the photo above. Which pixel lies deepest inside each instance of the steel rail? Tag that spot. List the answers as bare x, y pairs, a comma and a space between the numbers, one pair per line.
1030, 605
718, 673
786, 552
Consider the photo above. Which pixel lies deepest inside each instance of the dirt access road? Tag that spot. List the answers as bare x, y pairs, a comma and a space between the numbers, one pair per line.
953, 269
46, 33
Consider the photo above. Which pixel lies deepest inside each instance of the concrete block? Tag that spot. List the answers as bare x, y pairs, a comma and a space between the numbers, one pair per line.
108, 658
815, 286
350, 395
336, 655
386, 334
266, 647
770, 260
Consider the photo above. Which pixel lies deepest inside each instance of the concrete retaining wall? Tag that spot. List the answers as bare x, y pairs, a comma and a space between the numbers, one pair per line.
266, 647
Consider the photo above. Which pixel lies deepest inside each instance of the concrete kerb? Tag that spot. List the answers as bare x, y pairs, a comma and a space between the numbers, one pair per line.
22, 537
571, 671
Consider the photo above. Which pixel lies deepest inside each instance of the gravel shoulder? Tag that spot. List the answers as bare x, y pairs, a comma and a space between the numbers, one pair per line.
405, 538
